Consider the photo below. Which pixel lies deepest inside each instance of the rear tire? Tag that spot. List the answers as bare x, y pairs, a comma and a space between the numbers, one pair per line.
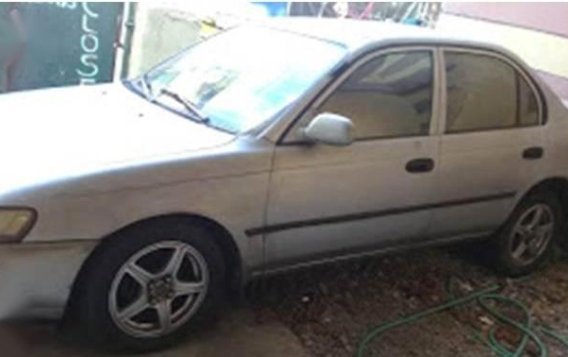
526, 241
147, 287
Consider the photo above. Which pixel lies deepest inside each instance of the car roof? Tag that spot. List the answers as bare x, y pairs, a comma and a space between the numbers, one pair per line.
362, 35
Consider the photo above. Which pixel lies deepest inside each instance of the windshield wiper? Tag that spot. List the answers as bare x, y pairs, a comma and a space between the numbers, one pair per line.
146, 87
196, 113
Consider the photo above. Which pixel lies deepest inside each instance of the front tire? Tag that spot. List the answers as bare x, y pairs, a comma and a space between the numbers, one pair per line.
145, 288
527, 239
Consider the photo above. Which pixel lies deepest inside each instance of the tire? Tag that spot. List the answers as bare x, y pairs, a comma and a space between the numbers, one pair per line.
137, 268
520, 249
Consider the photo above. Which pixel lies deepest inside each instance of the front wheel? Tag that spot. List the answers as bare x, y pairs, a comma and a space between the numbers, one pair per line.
147, 287
527, 239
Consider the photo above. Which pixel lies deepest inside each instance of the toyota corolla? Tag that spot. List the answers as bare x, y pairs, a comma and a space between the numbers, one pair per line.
135, 206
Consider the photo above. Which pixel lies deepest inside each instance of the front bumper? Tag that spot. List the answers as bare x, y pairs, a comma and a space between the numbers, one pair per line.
36, 278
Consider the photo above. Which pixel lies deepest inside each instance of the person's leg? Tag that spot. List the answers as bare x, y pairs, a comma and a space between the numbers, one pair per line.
3, 78
7, 69
9, 76
4, 62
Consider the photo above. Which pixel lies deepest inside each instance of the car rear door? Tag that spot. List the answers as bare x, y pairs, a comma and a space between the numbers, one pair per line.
491, 143
329, 201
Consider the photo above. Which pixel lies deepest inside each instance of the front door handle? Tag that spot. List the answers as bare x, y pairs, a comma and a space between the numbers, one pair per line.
420, 165
533, 153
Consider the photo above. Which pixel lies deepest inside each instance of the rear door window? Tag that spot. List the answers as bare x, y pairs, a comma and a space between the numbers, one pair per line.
484, 93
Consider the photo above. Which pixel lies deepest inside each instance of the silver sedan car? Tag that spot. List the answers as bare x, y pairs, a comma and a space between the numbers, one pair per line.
134, 207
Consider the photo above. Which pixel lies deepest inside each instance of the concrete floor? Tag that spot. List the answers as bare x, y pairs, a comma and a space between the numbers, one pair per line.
237, 334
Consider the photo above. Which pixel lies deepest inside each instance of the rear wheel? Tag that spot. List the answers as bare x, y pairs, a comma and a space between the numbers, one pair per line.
527, 239
147, 287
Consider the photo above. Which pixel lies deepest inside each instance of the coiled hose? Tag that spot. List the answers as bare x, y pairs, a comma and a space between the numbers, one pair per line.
483, 298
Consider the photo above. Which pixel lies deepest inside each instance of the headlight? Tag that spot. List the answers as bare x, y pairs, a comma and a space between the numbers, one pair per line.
15, 223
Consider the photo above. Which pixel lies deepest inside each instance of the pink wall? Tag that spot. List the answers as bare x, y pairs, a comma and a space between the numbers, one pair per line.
543, 16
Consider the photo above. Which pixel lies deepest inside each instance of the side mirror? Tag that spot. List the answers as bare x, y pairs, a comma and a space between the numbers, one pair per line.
330, 129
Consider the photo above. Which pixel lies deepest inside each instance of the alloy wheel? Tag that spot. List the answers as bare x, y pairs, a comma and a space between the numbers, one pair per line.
531, 234
158, 289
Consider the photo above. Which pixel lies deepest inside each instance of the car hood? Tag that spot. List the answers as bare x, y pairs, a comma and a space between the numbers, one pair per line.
59, 133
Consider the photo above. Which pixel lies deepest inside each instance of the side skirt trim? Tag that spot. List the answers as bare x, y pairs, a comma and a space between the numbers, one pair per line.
374, 214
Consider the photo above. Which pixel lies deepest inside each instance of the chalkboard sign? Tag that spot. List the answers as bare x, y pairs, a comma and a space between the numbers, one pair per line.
57, 43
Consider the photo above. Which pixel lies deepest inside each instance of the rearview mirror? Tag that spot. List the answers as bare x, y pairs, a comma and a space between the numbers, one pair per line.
330, 129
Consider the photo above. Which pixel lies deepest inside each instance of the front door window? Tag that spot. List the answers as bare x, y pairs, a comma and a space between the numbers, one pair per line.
389, 96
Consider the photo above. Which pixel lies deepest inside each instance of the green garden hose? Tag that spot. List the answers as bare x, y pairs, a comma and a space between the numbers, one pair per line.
483, 297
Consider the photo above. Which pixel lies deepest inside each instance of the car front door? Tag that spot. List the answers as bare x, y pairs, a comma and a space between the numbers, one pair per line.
491, 144
328, 201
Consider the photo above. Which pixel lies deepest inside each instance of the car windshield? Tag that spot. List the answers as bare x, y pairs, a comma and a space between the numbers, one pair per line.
237, 80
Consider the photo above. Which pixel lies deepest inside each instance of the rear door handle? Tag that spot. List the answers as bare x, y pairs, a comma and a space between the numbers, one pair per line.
420, 165
533, 153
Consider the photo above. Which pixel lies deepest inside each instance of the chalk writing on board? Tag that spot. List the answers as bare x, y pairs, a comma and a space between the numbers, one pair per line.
64, 5
89, 68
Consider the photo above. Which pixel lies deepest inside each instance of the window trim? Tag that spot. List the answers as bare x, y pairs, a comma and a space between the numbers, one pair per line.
345, 74
518, 69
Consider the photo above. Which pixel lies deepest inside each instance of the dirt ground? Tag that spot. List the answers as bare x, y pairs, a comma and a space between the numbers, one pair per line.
330, 308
